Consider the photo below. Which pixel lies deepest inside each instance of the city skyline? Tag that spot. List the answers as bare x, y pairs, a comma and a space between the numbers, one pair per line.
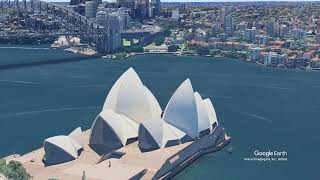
211, 0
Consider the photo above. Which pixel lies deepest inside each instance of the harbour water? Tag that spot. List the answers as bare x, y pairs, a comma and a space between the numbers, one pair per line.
45, 92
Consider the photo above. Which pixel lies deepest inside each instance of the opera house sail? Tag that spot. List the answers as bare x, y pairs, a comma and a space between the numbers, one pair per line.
59, 149
128, 103
186, 118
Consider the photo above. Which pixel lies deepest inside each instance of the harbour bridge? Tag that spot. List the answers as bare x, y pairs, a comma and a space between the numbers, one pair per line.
72, 22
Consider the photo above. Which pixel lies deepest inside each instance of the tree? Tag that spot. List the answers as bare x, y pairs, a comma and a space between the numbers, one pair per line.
14, 170
202, 51
166, 33
173, 48
137, 49
158, 40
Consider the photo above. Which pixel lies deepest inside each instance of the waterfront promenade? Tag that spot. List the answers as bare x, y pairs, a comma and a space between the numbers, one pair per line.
133, 164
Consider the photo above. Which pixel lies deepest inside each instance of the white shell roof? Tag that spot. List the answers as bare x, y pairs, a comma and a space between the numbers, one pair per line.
162, 132
181, 110
211, 111
130, 97
155, 129
65, 143
77, 135
154, 104
122, 126
203, 118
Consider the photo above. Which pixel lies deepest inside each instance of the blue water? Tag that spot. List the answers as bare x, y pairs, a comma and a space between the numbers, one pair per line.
262, 108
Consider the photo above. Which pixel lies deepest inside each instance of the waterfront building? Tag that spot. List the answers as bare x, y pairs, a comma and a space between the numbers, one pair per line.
315, 63
249, 34
228, 25
186, 106
318, 26
254, 54
318, 37
271, 59
59, 149
90, 9
186, 117
307, 55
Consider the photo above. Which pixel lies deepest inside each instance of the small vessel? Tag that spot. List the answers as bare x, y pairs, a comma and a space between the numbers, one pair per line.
230, 149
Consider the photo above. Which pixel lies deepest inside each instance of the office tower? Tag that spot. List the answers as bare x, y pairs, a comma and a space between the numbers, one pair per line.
76, 2
249, 34
97, 2
175, 14
228, 25
273, 28
90, 9
114, 31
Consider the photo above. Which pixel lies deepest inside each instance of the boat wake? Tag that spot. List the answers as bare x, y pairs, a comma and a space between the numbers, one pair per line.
18, 82
258, 117
51, 110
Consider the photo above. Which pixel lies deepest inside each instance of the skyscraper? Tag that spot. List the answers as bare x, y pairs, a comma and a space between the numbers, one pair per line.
228, 25
90, 9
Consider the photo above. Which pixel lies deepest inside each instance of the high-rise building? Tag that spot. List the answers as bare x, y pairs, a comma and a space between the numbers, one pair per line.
97, 2
114, 31
154, 8
249, 34
254, 54
228, 25
273, 28
76, 2
102, 18
90, 9
112, 26
318, 26
175, 14
124, 18
216, 29
81, 9
297, 33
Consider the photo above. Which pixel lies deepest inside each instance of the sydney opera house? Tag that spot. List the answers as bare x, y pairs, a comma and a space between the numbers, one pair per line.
153, 143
